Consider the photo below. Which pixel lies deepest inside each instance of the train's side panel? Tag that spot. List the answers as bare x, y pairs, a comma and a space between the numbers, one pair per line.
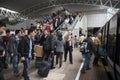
111, 40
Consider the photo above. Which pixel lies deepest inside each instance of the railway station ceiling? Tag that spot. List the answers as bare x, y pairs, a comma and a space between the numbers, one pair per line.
31, 7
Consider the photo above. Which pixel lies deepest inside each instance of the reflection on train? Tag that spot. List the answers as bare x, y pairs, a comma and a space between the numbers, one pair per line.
111, 40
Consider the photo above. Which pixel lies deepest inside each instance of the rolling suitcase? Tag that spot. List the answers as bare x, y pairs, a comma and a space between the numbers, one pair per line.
45, 66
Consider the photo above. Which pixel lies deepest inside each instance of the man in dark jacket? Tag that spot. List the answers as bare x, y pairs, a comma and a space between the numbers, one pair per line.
88, 50
39, 37
25, 48
52, 46
2, 51
49, 46
13, 47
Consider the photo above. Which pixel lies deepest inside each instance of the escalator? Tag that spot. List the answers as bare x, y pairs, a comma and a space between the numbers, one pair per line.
70, 27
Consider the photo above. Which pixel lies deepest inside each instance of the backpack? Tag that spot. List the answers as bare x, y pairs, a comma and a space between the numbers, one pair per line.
84, 48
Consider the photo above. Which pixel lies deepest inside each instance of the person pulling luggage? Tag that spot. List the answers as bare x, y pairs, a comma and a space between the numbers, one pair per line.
49, 46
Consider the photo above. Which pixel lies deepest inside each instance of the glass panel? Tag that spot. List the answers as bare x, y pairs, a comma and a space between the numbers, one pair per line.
111, 46
118, 43
107, 25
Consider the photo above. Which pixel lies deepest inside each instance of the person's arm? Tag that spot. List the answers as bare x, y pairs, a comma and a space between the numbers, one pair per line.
21, 46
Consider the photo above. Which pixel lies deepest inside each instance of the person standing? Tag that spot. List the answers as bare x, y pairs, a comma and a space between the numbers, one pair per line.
87, 53
52, 46
68, 47
25, 49
59, 44
13, 46
97, 42
75, 42
2, 50
49, 46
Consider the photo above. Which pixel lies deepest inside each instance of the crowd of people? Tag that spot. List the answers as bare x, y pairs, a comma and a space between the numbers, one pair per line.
19, 47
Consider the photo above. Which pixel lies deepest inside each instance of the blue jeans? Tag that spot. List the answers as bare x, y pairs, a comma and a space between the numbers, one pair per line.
15, 63
87, 57
26, 64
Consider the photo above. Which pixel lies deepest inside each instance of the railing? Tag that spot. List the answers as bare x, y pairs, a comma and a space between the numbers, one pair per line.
63, 28
79, 18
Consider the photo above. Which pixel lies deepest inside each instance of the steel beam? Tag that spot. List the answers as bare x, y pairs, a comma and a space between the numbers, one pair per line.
8, 13
116, 4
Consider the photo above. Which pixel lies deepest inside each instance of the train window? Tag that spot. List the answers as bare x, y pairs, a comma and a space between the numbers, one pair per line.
118, 50
118, 44
111, 46
103, 34
106, 28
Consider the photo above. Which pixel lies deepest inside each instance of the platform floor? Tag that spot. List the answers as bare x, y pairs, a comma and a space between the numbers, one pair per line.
66, 72
95, 73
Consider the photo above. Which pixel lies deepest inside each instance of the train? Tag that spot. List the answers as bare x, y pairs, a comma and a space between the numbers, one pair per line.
111, 41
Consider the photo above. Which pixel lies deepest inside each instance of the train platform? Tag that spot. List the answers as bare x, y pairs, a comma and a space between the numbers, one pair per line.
66, 72
95, 72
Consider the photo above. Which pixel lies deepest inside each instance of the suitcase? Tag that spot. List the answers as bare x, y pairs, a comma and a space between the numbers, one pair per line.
44, 67
38, 50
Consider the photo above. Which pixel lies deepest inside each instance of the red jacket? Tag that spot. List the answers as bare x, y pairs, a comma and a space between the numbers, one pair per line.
5, 40
48, 28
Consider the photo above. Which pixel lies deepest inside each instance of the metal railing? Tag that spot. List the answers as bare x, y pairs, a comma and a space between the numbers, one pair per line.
63, 28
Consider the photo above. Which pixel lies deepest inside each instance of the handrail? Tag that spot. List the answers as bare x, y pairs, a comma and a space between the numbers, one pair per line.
61, 26
75, 22
80, 18
72, 25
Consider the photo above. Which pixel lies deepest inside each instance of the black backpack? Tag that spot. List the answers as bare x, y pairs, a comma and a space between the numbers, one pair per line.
84, 48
